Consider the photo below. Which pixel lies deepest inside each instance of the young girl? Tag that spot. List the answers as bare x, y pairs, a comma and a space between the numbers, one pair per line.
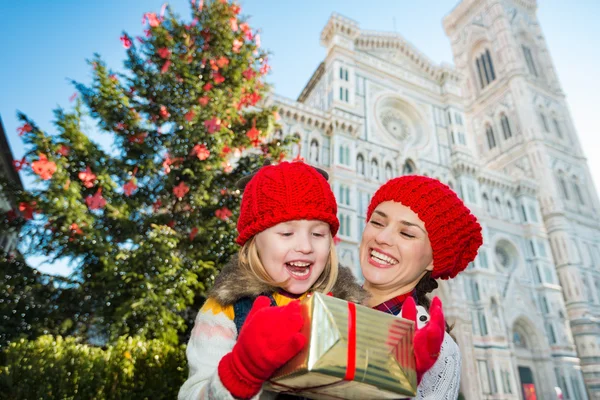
250, 324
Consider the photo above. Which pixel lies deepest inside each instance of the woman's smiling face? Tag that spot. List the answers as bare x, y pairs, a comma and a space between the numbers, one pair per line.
395, 251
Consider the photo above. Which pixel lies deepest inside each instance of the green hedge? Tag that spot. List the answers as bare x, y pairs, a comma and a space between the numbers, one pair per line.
60, 368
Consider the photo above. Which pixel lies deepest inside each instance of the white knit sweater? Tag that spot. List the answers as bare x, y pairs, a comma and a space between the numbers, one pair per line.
214, 335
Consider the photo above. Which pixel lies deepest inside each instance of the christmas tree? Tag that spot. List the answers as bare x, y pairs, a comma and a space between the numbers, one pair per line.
149, 223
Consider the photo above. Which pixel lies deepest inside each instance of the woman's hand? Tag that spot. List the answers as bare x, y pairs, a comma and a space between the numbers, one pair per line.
427, 341
269, 338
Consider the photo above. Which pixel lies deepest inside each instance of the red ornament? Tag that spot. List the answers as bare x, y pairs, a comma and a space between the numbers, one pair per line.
193, 233
218, 78
64, 150
25, 128
75, 230
223, 213
253, 133
189, 116
246, 30
227, 168
19, 164
156, 205
165, 67
129, 188
164, 112
249, 73
120, 126
207, 87
181, 190
265, 68
213, 124
152, 19
236, 9
139, 138
27, 209
233, 23
87, 177
44, 168
237, 45
222, 62
96, 201
164, 52
200, 151
126, 41
257, 40
203, 100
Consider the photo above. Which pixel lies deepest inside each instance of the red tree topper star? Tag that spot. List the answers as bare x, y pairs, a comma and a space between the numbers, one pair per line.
87, 177
129, 188
223, 213
19, 164
96, 201
200, 151
126, 41
27, 209
25, 128
213, 124
181, 190
44, 168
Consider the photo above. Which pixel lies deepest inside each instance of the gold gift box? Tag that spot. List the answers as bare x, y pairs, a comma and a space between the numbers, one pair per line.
384, 360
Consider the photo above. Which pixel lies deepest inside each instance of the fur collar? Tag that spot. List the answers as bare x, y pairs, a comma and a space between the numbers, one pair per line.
233, 284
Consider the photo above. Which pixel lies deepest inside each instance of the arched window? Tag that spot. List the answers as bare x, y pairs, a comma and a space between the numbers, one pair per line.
498, 207
485, 68
578, 193
511, 212
374, 169
486, 203
544, 122
313, 155
408, 168
529, 60
505, 126
557, 128
563, 187
519, 339
388, 172
491, 139
297, 145
360, 164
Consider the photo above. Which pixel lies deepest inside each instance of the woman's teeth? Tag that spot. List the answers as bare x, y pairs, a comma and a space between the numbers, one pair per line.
382, 258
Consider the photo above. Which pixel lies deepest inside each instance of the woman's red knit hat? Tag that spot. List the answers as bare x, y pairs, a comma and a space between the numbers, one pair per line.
454, 232
285, 192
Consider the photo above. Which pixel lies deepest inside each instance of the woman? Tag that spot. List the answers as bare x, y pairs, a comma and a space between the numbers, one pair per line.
418, 230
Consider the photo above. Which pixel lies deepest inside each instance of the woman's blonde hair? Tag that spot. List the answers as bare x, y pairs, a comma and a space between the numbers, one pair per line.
250, 262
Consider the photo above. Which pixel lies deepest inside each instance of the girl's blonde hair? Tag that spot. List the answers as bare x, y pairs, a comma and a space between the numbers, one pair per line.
250, 262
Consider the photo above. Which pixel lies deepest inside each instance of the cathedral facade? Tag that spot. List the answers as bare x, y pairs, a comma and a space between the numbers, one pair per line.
496, 128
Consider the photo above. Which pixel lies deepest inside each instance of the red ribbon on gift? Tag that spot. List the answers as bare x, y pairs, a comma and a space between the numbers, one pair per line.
351, 365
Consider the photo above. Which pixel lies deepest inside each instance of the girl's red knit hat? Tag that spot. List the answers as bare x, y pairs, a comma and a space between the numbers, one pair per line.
454, 232
285, 192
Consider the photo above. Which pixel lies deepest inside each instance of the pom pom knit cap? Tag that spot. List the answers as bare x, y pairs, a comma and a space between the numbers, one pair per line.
285, 192
454, 233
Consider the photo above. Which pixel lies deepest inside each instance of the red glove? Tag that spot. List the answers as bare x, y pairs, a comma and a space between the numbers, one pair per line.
268, 339
427, 341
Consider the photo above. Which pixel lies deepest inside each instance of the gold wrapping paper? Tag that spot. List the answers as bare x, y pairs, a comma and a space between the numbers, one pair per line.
385, 365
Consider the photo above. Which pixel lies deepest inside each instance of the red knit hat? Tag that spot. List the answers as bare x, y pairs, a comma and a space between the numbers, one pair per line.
454, 232
285, 192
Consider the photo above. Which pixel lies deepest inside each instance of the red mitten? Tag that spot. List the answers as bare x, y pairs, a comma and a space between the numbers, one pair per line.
269, 338
427, 341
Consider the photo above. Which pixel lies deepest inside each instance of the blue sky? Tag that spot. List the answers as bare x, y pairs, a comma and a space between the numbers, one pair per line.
45, 44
